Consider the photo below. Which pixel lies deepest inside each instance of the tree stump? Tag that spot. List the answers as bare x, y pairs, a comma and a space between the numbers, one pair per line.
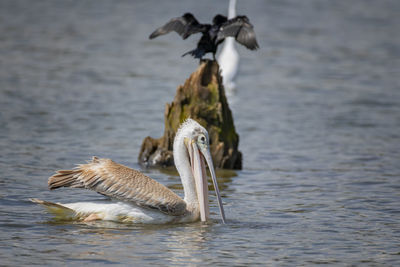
203, 99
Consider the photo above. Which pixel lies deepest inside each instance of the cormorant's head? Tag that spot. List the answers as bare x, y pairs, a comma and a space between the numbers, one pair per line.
189, 17
219, 19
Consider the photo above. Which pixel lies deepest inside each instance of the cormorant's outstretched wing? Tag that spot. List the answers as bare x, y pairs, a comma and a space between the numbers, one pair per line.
241, 29
184, 26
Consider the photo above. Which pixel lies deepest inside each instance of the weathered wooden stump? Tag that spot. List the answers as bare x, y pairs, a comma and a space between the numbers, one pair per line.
203, 99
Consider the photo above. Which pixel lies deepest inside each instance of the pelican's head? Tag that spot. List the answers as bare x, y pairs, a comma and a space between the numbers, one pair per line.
196, 142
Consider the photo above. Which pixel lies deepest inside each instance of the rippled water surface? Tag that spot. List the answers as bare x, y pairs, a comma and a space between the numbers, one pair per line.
317, 109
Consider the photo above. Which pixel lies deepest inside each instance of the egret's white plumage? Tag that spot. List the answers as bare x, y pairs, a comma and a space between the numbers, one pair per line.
137, 198
229, 58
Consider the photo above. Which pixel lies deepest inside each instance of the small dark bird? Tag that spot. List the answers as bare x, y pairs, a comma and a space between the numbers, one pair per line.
238, 27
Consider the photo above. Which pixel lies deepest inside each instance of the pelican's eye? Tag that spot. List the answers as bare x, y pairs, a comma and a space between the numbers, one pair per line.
202, 139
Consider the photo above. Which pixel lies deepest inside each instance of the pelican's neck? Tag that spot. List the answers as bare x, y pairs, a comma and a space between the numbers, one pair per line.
232, 9
182, 164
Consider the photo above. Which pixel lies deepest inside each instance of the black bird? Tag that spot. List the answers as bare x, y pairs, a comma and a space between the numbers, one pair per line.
238, 27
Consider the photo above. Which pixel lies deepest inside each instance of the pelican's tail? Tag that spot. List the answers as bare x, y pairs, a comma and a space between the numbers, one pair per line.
59, 211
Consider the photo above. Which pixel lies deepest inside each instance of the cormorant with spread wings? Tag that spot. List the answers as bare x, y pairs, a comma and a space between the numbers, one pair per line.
238, 27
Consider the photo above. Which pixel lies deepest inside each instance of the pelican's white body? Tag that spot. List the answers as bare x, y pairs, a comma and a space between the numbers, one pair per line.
124, 212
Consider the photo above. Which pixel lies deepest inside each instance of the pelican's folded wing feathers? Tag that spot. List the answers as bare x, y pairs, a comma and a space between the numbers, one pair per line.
118, 181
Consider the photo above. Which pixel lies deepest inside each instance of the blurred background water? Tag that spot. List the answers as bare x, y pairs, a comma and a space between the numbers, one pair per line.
317, 109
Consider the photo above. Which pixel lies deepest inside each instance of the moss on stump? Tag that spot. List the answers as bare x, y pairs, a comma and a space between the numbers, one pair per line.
201, 98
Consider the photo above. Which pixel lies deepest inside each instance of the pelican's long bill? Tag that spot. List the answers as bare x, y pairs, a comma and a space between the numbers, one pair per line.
197, 153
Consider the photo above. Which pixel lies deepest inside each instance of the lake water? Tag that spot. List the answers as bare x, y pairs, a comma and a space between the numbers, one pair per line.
317, 109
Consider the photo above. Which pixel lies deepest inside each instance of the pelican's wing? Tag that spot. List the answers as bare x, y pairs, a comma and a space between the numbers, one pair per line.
118, 181
184, 26
241, 29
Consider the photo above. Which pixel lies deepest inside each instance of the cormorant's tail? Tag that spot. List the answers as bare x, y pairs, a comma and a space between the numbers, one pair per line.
196, 53
59, 211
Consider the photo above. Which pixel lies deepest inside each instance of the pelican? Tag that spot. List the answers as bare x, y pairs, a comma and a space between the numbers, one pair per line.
136, 197
229, 58
212, 34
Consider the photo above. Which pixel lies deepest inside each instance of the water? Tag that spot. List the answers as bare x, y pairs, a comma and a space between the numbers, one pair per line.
317, 109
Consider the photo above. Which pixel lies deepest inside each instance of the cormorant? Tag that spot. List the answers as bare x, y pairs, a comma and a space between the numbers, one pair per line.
238, 27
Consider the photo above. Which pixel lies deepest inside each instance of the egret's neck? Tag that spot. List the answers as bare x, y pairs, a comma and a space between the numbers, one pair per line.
232, 9
229, 42
182, 164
